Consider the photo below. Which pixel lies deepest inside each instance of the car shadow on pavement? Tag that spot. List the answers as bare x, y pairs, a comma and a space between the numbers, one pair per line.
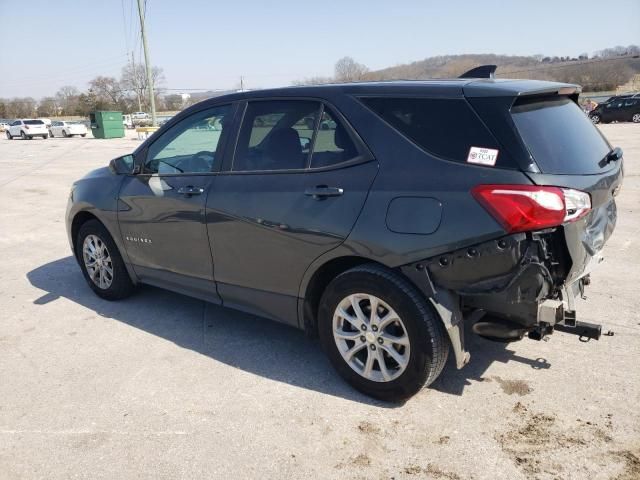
483, 354
245, 341
240, 340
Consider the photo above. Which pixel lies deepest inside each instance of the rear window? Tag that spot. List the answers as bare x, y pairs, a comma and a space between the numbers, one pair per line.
559, 136
447, 128
33, 122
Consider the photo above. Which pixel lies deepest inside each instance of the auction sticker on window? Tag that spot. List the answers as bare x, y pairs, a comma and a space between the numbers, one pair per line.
482, 156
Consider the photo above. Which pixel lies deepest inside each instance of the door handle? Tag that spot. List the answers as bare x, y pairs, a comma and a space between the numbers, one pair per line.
322, 191
190, 190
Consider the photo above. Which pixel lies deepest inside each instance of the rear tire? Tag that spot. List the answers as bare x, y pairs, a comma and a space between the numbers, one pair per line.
636, 118
414, 348
83, 135
44, 137
97, 252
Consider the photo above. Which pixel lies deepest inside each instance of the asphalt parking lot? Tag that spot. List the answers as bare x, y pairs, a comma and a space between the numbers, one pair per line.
165, 386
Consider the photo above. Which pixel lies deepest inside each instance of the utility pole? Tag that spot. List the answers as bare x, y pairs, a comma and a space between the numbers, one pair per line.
241, 83
147, 64
134, 72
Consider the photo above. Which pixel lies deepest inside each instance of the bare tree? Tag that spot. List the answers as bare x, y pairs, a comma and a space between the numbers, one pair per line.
348, 70
48, 107
173, 102
134, 80
21, 107
67, 98
108, 90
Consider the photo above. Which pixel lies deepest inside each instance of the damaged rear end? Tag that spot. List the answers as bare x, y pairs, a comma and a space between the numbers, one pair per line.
525, 282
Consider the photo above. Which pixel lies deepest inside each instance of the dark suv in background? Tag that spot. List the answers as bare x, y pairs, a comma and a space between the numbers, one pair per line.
617, 109
379, 216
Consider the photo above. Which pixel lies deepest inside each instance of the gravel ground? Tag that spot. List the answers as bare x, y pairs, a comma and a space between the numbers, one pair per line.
164, 386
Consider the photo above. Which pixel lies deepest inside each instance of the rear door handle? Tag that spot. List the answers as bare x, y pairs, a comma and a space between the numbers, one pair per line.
322, 191
190, 190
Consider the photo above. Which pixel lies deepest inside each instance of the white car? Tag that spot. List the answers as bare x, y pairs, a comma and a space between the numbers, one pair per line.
4, 126
140, 115
27, 128
127, 121
67, 129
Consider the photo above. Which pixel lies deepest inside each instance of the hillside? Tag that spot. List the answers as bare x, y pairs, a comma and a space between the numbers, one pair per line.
595, 74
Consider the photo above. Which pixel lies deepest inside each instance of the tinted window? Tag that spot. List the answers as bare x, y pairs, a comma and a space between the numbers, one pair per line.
447, 128
559, 136
191, 146
33, 122
333, 144
276, 135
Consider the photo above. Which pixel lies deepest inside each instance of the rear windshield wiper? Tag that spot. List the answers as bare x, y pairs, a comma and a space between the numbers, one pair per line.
613, 156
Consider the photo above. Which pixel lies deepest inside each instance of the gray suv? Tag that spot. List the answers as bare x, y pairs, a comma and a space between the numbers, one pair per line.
381, 217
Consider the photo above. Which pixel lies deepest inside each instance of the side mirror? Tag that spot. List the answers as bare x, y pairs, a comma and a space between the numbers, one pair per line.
122, 165
305, 143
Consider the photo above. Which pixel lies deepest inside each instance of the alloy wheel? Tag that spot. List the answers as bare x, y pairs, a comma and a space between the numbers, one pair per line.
371, 337
636, 118
97, 261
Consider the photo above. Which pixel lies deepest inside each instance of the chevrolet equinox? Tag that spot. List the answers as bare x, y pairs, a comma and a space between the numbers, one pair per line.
381, 217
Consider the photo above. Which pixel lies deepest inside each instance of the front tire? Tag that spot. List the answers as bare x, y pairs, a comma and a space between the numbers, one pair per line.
9, 137
45, 136
101, 262
65, 134
83, 135
595, 119
23, 135
381, 334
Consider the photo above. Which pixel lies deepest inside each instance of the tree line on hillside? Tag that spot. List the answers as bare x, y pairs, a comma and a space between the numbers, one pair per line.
603, 71
126, 94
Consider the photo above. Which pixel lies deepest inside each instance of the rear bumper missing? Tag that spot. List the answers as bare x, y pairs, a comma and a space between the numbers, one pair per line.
518, 280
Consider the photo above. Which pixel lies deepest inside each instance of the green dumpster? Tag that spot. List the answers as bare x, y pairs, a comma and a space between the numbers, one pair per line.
106, 124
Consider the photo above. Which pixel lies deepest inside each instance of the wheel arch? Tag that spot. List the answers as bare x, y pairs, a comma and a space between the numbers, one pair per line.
315, 283
83, 216
80, 219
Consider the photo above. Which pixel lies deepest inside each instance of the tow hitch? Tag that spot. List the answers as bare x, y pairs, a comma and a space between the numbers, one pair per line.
552, 316
585, 330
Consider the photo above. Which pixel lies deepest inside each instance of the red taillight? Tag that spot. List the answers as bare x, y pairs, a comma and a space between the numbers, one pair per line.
519, 208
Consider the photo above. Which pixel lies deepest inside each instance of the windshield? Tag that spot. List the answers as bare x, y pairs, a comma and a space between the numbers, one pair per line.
559, 136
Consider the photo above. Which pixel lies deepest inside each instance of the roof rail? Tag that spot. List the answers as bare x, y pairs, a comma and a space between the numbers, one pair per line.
483, 71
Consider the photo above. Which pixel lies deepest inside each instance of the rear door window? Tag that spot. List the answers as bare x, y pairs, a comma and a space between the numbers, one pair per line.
445, 127
333, 144
276, 135
559, 136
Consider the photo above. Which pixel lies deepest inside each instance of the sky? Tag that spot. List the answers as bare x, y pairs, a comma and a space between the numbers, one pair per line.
211, 44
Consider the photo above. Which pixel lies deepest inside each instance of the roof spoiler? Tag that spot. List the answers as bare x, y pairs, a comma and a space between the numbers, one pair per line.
483, 71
